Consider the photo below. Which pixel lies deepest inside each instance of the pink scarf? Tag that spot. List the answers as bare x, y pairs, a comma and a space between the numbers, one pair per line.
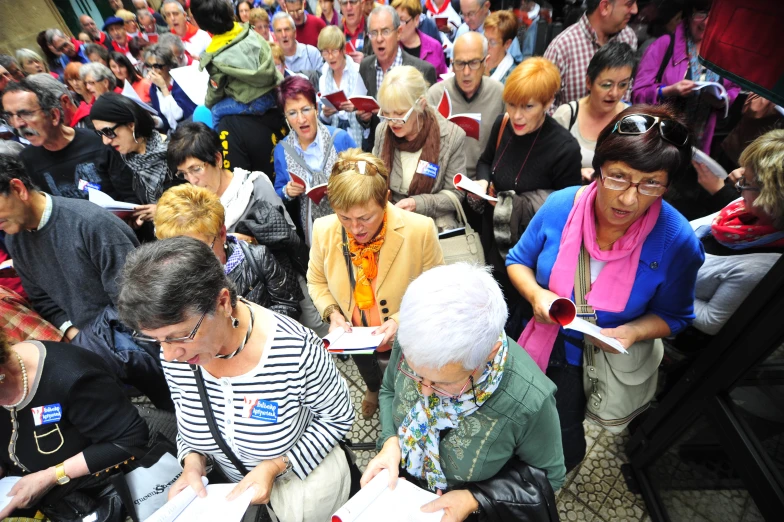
612, 288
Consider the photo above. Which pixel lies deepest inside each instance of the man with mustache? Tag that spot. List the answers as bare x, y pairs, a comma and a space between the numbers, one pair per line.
98, 36
61, 160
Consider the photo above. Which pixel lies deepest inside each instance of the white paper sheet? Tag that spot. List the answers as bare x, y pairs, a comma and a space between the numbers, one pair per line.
6, 485
187, 507
462, 181
193, 81
718, 91
377, 503
716, 169
581, 325
360, 338
102, 199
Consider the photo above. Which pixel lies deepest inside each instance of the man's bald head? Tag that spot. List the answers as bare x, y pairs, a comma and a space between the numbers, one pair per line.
472, 43
89, 26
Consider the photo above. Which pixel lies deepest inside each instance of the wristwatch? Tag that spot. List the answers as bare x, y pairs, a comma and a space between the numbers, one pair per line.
59, 473
287, 462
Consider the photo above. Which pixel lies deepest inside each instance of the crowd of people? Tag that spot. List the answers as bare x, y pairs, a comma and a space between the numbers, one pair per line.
249, 224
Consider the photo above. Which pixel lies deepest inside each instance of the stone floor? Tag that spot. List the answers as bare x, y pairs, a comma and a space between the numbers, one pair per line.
595, 491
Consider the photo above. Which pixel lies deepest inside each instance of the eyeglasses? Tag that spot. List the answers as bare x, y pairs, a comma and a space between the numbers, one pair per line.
296, 12
416, 378
330, 52
474, 65
22, 115
472, 14
304, 111
622, 86
493, 43
396, 121
156, 66
6, 75
405, 22
187, 339
108, 132
352, 2
196, 170
385, 33
741, 185
622, 183
60, 48
670, 130
699, 16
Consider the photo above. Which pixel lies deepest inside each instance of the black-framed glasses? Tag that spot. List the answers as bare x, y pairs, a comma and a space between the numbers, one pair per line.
22, 115
622, 183
405, 22
741, 186
108, 132
156, 66
459, 65
670, 130
187, 339
416, 378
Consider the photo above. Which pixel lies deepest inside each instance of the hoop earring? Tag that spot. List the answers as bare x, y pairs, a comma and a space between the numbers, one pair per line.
134, 136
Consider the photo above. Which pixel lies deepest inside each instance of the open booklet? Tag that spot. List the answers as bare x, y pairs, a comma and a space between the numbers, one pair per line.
187, 507
316, 194
469, 121
716, 169
564, 312
717, 90
359, 341
462, 181
102, 199
360, 103
377, 503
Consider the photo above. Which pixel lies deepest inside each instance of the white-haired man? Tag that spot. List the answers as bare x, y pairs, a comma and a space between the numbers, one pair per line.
194, 39
299, 56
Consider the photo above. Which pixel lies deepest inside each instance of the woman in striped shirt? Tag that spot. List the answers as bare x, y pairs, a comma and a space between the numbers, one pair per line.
279, 402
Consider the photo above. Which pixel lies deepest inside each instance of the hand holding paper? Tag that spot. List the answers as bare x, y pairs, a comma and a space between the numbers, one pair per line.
461, 181
564, 312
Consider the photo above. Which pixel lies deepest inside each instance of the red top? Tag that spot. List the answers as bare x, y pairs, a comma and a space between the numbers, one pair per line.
308, 32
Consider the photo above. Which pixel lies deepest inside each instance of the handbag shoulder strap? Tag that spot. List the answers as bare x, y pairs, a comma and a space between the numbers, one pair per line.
350, 269
665, 60
210, 417
582, 279
574, 110
458, 207
501, 130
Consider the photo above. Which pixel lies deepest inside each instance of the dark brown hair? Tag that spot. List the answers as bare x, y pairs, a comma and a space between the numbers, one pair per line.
646, 152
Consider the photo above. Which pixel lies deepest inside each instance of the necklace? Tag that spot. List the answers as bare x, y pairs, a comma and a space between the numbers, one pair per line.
609, 245
245, 340
24, 383
517, 178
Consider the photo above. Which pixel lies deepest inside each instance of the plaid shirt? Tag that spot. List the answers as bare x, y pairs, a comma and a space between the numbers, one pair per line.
237, 255
20, 322
380, 72
571, 51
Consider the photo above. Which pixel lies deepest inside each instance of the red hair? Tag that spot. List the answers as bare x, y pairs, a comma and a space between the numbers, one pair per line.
294, 86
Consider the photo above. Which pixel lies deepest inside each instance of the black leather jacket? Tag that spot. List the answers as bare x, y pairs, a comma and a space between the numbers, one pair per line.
261, 279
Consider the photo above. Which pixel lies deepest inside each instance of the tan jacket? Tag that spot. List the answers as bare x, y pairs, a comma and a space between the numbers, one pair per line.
410, 248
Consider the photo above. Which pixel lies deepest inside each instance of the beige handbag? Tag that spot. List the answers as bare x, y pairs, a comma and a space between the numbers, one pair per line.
618, 387
463, 245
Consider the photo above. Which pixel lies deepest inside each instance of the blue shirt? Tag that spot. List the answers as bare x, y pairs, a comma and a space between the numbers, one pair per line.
666, 274
306, 58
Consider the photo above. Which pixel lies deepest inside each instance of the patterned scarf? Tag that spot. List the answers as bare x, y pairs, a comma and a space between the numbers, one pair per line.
236, 257
420, 431
309, 211
736, 228
428, 140
150, 169
365, 257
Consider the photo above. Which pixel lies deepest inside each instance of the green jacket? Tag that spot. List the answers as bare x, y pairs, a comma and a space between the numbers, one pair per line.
519, 419
242, 69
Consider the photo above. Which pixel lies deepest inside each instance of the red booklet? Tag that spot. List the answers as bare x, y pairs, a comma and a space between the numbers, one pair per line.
364, 103
469, 122
441, 21
445, 105
316, 194
335, 99
350, 47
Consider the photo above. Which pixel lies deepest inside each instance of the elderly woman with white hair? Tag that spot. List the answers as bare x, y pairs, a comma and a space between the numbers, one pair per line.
464, 409
97, 79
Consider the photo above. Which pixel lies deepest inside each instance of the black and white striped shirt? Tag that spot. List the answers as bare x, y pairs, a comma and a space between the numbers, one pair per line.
294, 402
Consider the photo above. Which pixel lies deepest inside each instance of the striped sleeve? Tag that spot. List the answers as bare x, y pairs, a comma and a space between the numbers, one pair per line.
326, 394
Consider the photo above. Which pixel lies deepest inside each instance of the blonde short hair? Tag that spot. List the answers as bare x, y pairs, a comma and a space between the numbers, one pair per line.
331, 37
188, 209
765, 158
401, 89
412, 7
277, 52
535, 78
357, 178
127, 16
504, 22
256, 14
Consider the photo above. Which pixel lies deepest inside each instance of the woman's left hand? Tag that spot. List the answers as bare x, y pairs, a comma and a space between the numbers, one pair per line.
261, 479
627, 335
29, 490
389, 329
407, 204
144, 213
347, 106
457, 505
707, 179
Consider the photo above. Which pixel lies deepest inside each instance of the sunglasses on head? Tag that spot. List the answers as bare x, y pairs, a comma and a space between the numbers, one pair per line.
108, 132
670, 130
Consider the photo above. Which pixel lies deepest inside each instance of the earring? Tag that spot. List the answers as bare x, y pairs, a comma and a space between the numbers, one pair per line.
2, 377
235, 323
134, 136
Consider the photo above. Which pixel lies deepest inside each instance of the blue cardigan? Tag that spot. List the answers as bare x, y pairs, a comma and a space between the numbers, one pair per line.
665, 279
340, 140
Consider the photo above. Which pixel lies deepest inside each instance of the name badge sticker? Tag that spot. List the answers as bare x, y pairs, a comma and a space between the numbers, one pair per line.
83, 185
48, 414
265, 411
428, 169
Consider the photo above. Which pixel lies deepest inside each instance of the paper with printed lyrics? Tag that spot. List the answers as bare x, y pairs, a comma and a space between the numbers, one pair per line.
316, 194
463, 182
377, 503
359, 341
187, 507
717, 90
581, 325
6, 484
702, 158
102, 199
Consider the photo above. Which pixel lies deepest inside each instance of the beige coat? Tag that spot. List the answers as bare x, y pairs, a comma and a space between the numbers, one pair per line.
410, 248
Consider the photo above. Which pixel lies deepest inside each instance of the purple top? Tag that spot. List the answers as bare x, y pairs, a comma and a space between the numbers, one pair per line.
432, 52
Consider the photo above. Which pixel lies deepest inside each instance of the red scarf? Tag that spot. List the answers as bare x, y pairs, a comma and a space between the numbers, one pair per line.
102, 38
436, 10
119, 48
190, 30
736, 226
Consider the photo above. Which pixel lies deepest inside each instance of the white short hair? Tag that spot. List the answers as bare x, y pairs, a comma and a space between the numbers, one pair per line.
451, 314
283, 15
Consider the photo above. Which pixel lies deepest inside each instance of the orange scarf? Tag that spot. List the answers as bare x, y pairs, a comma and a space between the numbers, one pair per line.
364, 257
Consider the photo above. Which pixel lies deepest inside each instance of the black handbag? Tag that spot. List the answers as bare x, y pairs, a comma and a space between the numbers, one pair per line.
87, 498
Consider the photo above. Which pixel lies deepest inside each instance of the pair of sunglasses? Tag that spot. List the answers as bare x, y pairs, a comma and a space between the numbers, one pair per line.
670, 130
108, 132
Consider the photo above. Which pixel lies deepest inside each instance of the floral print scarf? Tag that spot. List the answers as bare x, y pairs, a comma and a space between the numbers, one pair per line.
420, 431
